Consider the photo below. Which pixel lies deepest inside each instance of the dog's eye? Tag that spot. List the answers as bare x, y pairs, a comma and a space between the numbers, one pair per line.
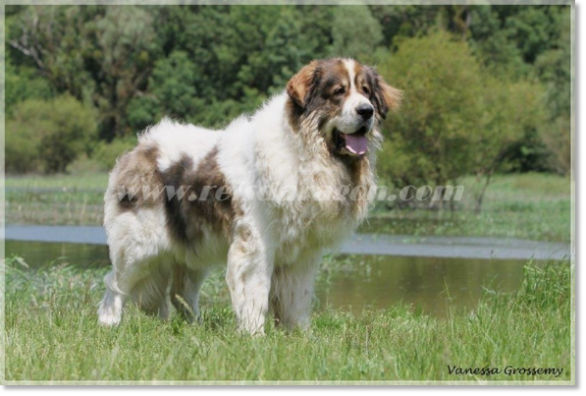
340, 91
365, 90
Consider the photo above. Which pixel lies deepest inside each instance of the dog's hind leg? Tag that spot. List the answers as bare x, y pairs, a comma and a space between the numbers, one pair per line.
185, 286
133, 267
150, 293
110, 310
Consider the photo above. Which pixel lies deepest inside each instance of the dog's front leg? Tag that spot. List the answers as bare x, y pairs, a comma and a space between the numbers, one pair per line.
293, 292
249, 279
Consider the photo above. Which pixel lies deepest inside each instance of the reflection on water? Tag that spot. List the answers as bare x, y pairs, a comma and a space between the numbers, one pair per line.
352, 282
39, 254
432, 284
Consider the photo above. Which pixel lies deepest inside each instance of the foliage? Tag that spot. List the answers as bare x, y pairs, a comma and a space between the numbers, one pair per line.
105, 154
207, 64
456, 117
173, 94
48, 135
399, 22
23, 83
355, 32
20, 150
514, 37
554, 68
97, 53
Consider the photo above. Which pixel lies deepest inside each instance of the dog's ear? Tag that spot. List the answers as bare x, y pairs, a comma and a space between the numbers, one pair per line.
300, 85
386, 97
390, 97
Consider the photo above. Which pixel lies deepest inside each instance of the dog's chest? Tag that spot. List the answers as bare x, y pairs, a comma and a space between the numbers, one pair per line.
309, 228
313, 205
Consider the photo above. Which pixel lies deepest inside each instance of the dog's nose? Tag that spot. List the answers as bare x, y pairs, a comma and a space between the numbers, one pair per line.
365, 111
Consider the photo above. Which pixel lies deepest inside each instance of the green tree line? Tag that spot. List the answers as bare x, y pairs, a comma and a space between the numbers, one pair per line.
487, 88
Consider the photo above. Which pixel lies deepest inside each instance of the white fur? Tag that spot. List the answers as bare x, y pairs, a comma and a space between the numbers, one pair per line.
276, 177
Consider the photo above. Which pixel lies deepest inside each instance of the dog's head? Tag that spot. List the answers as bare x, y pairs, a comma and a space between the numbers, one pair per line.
345, 100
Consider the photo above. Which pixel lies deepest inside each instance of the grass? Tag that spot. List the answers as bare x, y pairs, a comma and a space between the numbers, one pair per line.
62, 181
52, 335
60, 199
532, 206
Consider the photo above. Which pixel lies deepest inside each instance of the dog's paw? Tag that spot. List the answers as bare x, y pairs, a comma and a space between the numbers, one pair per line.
108, 319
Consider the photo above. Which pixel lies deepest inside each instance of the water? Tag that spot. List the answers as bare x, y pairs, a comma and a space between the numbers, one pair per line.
40, 254
357, 282
431, 284
363, 244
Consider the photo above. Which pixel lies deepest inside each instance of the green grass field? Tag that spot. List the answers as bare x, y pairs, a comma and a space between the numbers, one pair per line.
52, 335
532, 206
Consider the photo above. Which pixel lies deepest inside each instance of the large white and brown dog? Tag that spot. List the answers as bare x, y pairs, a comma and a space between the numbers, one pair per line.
268, 195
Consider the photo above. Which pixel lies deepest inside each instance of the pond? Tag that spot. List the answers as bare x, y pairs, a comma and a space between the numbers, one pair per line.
359, 243
348, 282
431, 284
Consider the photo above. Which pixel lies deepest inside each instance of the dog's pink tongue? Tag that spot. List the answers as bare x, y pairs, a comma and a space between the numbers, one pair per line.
356, 143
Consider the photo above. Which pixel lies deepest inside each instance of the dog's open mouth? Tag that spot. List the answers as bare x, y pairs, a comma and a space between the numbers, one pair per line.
354, 144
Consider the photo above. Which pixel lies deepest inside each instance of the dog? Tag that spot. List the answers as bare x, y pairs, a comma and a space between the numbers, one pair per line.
268, 195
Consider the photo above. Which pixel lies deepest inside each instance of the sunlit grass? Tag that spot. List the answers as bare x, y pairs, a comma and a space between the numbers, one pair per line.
530, 206
52, 335
61, 181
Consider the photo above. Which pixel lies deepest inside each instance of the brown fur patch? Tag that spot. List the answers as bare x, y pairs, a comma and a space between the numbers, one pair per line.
300, 85
175, 193
210, 197
191, 197
137, 181
202, 196
365, 81
358, 76
392, 96
324, 92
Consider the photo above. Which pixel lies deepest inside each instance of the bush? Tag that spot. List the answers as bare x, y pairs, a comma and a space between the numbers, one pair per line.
440, 109
48, 135
557, 137
105, 154
457, 118
21, 151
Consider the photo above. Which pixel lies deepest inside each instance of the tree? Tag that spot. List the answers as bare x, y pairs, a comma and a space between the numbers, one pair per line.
403, 21
512, 38
455, 118
173, 93
23, 83
123, 52
208, 64
514, 109
99, 53
230, 60
50, 134
355, 32
554, 68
